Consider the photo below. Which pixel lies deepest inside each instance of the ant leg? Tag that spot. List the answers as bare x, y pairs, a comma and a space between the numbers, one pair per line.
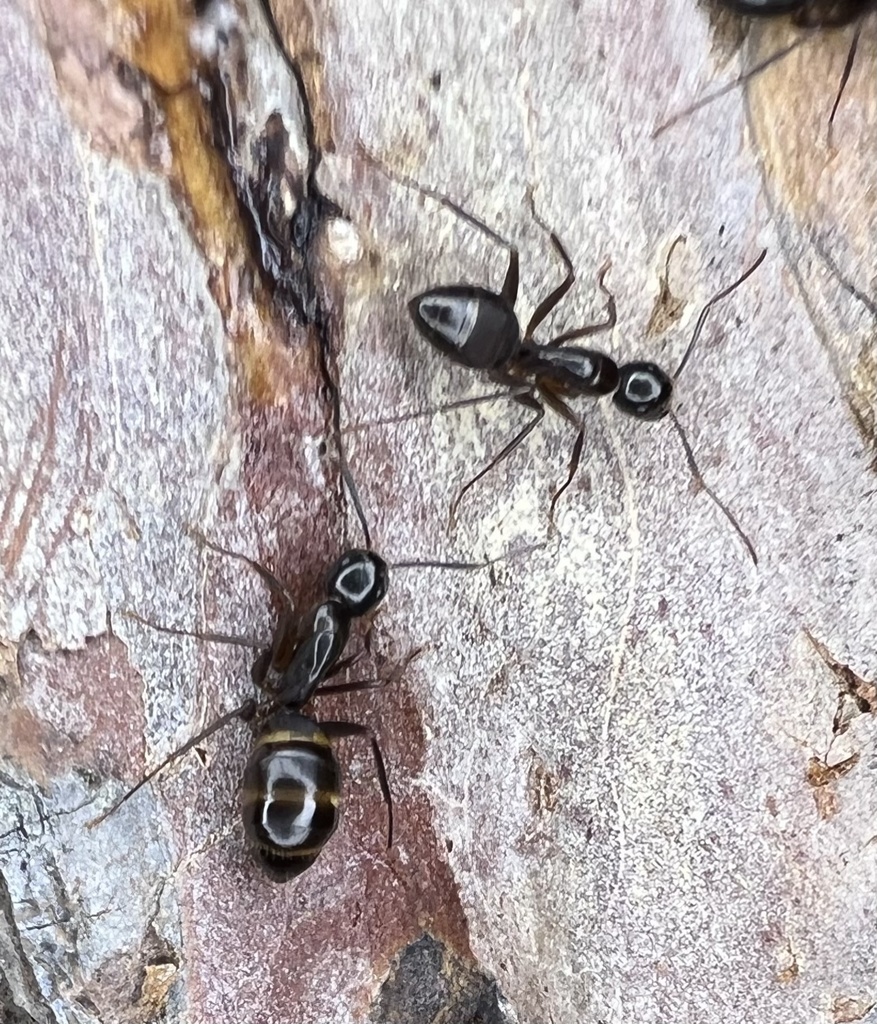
555, 402
341, 730
275, 659
245, 713
699, 480
531, 402
460, 403
573, 469
351, 687
270, 579
728, 87
510, 285
845, 77
216, 638
368, 684
553, 298
344, 664
415, 186
603, 325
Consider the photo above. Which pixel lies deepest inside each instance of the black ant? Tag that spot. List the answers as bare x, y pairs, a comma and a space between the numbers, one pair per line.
291, 786
805, 14
479, 329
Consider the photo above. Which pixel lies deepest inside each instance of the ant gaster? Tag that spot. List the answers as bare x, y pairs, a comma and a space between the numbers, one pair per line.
805, 14
479, 329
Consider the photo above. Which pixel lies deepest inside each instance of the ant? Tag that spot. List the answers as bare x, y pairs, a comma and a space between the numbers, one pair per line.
477, 328
291, 788
805, 14
291, 783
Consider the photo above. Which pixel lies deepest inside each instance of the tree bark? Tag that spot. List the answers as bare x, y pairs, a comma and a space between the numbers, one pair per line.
633, 773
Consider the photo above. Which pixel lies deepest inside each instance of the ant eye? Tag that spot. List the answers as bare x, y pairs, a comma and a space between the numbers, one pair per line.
359, 581
644, 391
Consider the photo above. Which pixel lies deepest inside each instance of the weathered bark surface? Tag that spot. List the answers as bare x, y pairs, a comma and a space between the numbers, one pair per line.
612, 764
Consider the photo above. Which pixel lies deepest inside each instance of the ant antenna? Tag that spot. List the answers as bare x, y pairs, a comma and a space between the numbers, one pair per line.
699, 480
270, 579
486, 564
701, 320
689, 454
347, 477
742, 79
245, 712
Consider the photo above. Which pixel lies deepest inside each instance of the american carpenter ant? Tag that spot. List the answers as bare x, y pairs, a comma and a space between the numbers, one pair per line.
805, 14
478, 328
291, 786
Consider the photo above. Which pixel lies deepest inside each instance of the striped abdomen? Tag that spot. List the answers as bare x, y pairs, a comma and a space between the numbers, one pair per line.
290, 794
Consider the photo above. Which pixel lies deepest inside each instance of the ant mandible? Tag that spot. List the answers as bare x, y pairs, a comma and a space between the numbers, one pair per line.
805, 14
479, 329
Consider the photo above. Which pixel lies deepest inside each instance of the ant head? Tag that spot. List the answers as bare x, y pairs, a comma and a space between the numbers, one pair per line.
358, 580
644, 391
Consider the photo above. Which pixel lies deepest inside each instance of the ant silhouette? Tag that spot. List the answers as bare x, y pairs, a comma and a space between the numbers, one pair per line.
477, 328
809, 15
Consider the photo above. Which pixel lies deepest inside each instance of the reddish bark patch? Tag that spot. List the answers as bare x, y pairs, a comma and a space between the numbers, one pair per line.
76, 709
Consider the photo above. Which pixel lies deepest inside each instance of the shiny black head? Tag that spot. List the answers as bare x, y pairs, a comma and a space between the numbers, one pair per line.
644, 391
469, 325
358, 580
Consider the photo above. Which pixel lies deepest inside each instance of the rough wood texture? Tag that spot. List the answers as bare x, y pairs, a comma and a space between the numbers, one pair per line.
635, 775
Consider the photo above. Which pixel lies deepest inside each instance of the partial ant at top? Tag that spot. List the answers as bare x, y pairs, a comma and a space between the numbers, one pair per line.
478, 328
804, 14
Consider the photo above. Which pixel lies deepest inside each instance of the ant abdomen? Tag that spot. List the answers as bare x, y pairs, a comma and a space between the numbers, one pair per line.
644, 391
572, 371
469, 325
290, 794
